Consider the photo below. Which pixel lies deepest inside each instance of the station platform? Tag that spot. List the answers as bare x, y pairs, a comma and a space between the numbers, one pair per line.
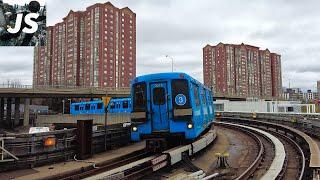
47, 171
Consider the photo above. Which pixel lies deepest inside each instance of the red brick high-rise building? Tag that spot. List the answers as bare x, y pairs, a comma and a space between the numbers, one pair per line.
92, 48
265, 73
39, 72
242, 70
276, 75
219, 65
253, 68
318, 88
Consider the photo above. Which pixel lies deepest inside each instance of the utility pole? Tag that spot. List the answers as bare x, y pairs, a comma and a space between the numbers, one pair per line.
167, 56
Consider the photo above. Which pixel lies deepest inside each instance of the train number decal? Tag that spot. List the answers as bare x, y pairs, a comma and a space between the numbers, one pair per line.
180, 99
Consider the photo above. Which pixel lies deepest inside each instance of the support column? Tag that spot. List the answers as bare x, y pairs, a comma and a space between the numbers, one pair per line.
26, 112
1, 112
8, 118
16, 112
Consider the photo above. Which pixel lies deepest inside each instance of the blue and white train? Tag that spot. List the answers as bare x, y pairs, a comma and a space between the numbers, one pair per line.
121, 105
170, 105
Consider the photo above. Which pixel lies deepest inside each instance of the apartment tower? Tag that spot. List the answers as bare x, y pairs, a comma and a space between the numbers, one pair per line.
242, 70
91, 48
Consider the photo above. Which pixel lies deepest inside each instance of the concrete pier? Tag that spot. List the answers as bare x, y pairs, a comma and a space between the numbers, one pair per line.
1, 112
16, 111
26, 115
8, 117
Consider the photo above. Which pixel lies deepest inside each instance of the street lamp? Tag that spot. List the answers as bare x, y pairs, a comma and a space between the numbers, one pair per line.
167, 56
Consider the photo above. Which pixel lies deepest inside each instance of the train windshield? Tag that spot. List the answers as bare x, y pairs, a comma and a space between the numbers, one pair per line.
159, 96
139, 97
180, 94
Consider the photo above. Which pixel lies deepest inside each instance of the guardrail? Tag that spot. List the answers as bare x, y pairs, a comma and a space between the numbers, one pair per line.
21, 86
42, 148
36, 149
313, 119
308, 123
112, 118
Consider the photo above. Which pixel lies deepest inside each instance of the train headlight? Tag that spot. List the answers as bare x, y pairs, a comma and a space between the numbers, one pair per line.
190, 126
134, 129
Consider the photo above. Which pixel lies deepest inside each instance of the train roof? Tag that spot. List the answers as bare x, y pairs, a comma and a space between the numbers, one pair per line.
164, 76
87, 102
120, 99
100, 101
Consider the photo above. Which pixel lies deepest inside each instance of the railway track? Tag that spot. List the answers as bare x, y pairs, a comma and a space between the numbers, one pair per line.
299, 147
280, 154
153, 163
296, 159
106, 166
268, 163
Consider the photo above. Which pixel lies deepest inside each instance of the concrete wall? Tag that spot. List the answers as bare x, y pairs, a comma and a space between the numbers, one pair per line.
263, 106
112, 118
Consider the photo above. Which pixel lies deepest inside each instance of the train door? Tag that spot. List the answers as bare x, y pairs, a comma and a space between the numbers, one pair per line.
159, 106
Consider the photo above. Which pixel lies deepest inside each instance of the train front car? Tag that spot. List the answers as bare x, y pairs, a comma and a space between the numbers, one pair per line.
170, 105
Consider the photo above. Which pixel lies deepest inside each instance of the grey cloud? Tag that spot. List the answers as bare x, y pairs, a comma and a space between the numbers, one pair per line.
16, 63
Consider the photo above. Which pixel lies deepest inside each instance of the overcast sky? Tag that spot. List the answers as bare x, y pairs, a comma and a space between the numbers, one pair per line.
23, 2
181, 28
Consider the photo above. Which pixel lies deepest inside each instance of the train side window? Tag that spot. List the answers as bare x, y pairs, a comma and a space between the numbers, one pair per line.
159, 96
81, 108
99, 106
76, 107
87, 107
180, 87
196, 94
112, 106
139, 97
208, 97
204, 100
125, 104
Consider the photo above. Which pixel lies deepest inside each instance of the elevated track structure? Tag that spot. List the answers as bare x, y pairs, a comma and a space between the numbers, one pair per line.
309, 147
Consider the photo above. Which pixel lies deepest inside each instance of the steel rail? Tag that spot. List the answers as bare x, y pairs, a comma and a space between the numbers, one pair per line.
101, 167
252, 168
298, 149
305, 170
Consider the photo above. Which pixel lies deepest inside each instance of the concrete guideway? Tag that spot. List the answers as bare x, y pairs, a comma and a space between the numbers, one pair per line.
54, 170
76, 92
15, 96
279, 160
155, 163
307, 144
313, 146
117, 172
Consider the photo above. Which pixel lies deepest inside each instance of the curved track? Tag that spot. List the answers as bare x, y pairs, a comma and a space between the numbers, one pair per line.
111, 164
275, 169
306, 148
278, 156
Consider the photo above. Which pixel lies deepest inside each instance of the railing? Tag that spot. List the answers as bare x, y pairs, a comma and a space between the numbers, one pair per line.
309, 123
28, 150
112, 118
20, 86
234, 96
32, 149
